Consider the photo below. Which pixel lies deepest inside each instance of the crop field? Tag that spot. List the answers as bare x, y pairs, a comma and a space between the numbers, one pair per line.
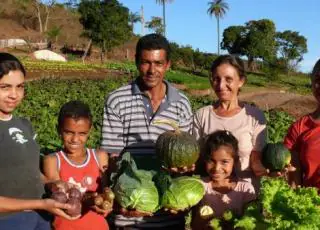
45, 97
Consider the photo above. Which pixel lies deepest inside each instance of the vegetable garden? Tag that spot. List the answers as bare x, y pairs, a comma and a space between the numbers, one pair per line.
45, 97
278, 207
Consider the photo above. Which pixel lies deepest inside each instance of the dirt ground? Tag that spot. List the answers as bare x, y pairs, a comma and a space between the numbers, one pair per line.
294, 104
266, 98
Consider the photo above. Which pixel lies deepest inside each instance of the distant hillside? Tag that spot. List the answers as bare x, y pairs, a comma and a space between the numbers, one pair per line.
17, 22
22, 23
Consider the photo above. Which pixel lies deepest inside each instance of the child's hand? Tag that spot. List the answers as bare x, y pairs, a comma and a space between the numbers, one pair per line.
58, 208
101, 211
181, 170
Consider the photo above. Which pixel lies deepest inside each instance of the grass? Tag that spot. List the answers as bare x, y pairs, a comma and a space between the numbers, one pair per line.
190, 80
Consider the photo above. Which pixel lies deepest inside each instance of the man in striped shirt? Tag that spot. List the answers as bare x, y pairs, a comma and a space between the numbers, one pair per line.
136, 114
132, 112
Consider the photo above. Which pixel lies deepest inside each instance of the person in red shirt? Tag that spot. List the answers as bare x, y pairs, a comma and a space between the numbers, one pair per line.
77, 164
303, 140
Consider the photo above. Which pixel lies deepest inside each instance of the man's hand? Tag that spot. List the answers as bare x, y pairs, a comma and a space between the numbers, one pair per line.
134, 213
58, 208
181, 170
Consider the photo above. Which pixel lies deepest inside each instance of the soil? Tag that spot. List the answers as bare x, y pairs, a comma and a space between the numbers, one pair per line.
270, 98
294, 104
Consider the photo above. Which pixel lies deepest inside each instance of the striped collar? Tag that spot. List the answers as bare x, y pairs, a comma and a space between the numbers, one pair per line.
172, 93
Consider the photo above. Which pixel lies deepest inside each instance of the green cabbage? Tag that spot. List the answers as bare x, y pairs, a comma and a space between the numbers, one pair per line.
180, 193
133, 188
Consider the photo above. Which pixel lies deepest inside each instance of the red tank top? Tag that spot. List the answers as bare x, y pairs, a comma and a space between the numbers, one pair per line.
87, 175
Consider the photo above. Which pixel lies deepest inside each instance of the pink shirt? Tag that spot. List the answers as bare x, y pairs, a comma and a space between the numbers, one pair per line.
248, 126
235, 200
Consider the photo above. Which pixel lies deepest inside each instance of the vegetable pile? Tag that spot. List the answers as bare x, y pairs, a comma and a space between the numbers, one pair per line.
147, 191
102, 200
65, 193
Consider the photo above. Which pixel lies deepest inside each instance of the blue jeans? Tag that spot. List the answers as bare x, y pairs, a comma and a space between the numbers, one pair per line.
25, 221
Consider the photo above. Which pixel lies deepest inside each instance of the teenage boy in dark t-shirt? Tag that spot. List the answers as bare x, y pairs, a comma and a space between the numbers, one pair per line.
21, 185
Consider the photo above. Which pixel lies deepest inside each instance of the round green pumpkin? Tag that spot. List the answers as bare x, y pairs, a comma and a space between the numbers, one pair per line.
177, 149
275, 156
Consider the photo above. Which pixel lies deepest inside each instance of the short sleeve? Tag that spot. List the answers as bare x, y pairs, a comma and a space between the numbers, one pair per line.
196, 128
186, 116
112, 130
259, 137
292, 136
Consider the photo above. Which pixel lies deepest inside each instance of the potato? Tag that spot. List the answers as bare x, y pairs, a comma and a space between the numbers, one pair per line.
108, 194
106, 205
59, 186
59, 196
76, 210
98, 200
74, 193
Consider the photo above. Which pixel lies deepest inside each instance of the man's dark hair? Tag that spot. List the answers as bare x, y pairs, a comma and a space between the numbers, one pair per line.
8, 63
152, 42
75, 110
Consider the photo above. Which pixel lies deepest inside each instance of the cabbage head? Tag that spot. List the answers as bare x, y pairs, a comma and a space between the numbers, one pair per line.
134, 189
181, 193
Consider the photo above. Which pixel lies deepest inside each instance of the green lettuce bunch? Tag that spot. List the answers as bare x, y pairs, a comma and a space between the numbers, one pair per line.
281, 207
133, 188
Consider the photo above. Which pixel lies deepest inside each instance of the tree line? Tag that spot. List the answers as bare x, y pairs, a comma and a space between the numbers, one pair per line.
108, 23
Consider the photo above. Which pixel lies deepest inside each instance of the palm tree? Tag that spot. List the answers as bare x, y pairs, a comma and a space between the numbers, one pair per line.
156, 25
134, 18
218, 8
163, 3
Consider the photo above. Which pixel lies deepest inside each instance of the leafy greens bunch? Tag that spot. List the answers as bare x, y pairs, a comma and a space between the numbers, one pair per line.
282, 207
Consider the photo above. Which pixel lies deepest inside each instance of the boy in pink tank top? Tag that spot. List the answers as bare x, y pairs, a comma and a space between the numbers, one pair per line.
224, 191
77, 164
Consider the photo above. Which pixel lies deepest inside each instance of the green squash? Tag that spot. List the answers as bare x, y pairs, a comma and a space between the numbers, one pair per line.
177, 149
275, 156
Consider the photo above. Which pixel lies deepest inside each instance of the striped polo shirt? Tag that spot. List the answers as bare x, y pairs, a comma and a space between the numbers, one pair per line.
130, 125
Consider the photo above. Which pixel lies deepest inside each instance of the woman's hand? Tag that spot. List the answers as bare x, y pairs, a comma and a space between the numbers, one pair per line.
258, 169
58, 208
256, 165
284, 172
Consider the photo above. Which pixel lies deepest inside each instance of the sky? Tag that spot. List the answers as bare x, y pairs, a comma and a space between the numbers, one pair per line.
189, 24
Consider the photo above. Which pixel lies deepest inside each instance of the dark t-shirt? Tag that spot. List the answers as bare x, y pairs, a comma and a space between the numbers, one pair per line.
19, 160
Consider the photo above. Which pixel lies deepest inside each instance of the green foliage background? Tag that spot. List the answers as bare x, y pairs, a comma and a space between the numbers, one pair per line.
45, 97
